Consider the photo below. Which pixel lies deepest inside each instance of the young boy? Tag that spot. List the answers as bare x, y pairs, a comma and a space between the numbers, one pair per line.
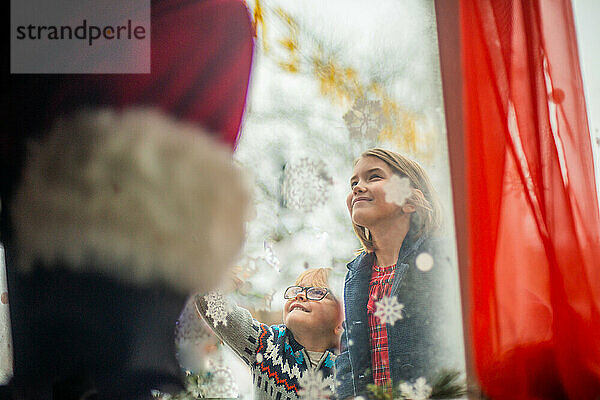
291, 360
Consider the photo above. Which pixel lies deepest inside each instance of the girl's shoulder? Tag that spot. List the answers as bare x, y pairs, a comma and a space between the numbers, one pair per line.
434, 248
435, 243
361, 258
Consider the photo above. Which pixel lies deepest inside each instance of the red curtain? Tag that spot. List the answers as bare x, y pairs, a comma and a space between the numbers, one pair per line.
531, 203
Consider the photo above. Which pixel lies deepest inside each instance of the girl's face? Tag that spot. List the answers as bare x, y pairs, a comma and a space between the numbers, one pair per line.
366, 200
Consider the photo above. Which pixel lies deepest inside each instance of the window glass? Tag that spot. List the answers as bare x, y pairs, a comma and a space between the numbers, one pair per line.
329, 81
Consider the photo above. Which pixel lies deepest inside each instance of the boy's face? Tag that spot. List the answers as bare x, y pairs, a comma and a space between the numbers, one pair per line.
312, 316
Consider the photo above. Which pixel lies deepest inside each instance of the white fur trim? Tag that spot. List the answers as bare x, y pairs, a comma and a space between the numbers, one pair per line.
143, 197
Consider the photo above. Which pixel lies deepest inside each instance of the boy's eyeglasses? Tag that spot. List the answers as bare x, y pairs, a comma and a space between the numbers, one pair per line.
312, 293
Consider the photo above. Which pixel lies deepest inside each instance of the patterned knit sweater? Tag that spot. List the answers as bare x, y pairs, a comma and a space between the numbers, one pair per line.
281, 369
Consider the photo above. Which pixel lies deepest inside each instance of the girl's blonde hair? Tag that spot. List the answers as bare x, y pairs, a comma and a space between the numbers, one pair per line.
427, 217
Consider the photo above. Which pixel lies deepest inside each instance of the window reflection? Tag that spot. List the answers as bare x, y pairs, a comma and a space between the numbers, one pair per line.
329, 82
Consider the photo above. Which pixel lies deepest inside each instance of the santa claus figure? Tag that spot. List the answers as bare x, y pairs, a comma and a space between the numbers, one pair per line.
119, 198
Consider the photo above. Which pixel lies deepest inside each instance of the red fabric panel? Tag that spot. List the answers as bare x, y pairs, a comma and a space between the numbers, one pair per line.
201, 54
534, 225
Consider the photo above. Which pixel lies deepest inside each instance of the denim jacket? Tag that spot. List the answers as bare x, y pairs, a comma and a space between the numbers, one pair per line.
419, 342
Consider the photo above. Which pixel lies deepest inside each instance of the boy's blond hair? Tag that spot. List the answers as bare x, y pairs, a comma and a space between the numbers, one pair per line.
314, 277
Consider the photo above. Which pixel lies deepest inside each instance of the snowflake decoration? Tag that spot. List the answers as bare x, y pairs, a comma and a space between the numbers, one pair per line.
424, 262
189, 328
397, 190
420, 390
365, 119
216, 307
270, 257
314, 387
306, 184
388, 310
222, 383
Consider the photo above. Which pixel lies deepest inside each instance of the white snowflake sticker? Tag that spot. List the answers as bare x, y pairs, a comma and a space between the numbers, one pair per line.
222, 383
365, 119
216, 307
388, 310
306, 184
424, 262
270, 258
397, 190
314, 387
420, 390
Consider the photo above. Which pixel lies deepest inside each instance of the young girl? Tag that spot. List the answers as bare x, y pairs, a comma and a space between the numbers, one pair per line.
283, 357
400, 262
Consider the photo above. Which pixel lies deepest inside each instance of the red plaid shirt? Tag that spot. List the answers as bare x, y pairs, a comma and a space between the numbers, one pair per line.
380, 285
